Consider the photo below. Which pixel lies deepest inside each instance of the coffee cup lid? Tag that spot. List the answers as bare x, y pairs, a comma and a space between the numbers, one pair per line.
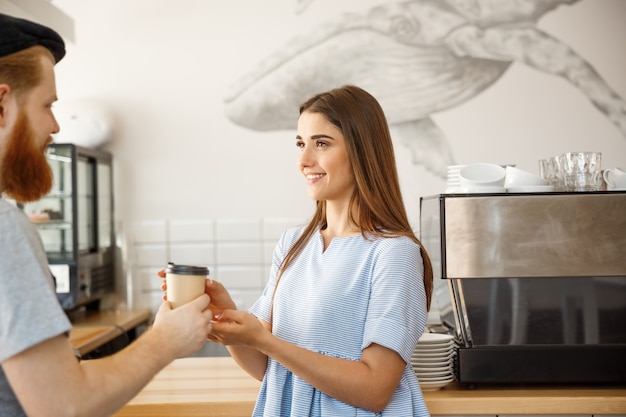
186, 269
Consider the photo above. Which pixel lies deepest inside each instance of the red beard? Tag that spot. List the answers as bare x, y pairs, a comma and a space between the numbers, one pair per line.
24, 169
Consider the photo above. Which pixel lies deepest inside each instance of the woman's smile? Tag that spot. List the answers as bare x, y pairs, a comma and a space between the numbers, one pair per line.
313, 178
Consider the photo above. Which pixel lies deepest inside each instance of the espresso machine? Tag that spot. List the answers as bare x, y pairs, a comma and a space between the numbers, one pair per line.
533, 285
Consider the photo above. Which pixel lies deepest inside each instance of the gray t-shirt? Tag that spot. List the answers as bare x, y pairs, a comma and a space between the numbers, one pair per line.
29, 310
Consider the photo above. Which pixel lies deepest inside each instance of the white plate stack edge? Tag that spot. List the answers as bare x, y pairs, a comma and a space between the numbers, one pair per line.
452, 183
432, 360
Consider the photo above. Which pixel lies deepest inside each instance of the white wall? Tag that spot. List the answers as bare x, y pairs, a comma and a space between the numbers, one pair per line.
164, 67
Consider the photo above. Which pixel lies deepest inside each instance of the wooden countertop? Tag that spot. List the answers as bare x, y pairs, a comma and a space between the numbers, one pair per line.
216, 386
93, 329
208, 387
86, 338
456, 399
127, 319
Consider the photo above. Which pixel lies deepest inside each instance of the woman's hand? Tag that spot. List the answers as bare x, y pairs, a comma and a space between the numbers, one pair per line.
220, 298
234, 327
161, 275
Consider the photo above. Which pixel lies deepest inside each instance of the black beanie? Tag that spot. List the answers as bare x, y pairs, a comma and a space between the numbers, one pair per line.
18, 34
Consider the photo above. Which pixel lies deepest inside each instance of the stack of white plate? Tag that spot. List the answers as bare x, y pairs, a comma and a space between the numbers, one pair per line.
433, 359
452, 183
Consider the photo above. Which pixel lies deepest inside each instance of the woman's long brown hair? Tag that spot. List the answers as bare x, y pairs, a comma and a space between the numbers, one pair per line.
376, 199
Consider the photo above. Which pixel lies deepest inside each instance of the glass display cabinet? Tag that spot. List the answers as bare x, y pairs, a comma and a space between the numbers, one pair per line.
75, 221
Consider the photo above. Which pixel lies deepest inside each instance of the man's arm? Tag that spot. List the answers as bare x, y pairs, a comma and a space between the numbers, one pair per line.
49, 381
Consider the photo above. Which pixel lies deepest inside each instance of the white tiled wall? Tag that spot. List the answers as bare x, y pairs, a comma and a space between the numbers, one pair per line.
237, 252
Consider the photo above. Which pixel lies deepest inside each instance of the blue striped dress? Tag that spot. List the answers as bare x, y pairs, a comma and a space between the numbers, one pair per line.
337, 302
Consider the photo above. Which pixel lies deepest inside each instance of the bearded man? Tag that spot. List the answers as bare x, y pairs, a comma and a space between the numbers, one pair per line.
39, 374
25, 174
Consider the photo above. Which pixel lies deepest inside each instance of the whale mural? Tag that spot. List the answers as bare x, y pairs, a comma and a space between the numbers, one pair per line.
417, 58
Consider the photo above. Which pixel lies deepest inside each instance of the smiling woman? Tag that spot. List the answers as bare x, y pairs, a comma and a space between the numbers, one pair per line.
357, 264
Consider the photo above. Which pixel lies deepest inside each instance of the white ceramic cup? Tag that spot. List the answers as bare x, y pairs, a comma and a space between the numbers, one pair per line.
516, 177
615, 178
482, 175
184, 283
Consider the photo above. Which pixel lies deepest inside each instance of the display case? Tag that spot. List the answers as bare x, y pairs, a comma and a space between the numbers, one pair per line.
75, 221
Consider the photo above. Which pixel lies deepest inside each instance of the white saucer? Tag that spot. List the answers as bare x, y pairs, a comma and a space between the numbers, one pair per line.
531, 189
429, 348
430, 363
435, 338
438, 360
434, 345
434, 361
454, 167
425, 369
447, 378
444, 356
436, 364
434, 386
433, 366
421, 354
434, 375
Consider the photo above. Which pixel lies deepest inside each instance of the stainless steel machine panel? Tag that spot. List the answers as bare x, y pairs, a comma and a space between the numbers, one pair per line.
539, 235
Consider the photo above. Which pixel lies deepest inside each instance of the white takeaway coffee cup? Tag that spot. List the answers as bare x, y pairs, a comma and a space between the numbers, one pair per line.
184, 283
